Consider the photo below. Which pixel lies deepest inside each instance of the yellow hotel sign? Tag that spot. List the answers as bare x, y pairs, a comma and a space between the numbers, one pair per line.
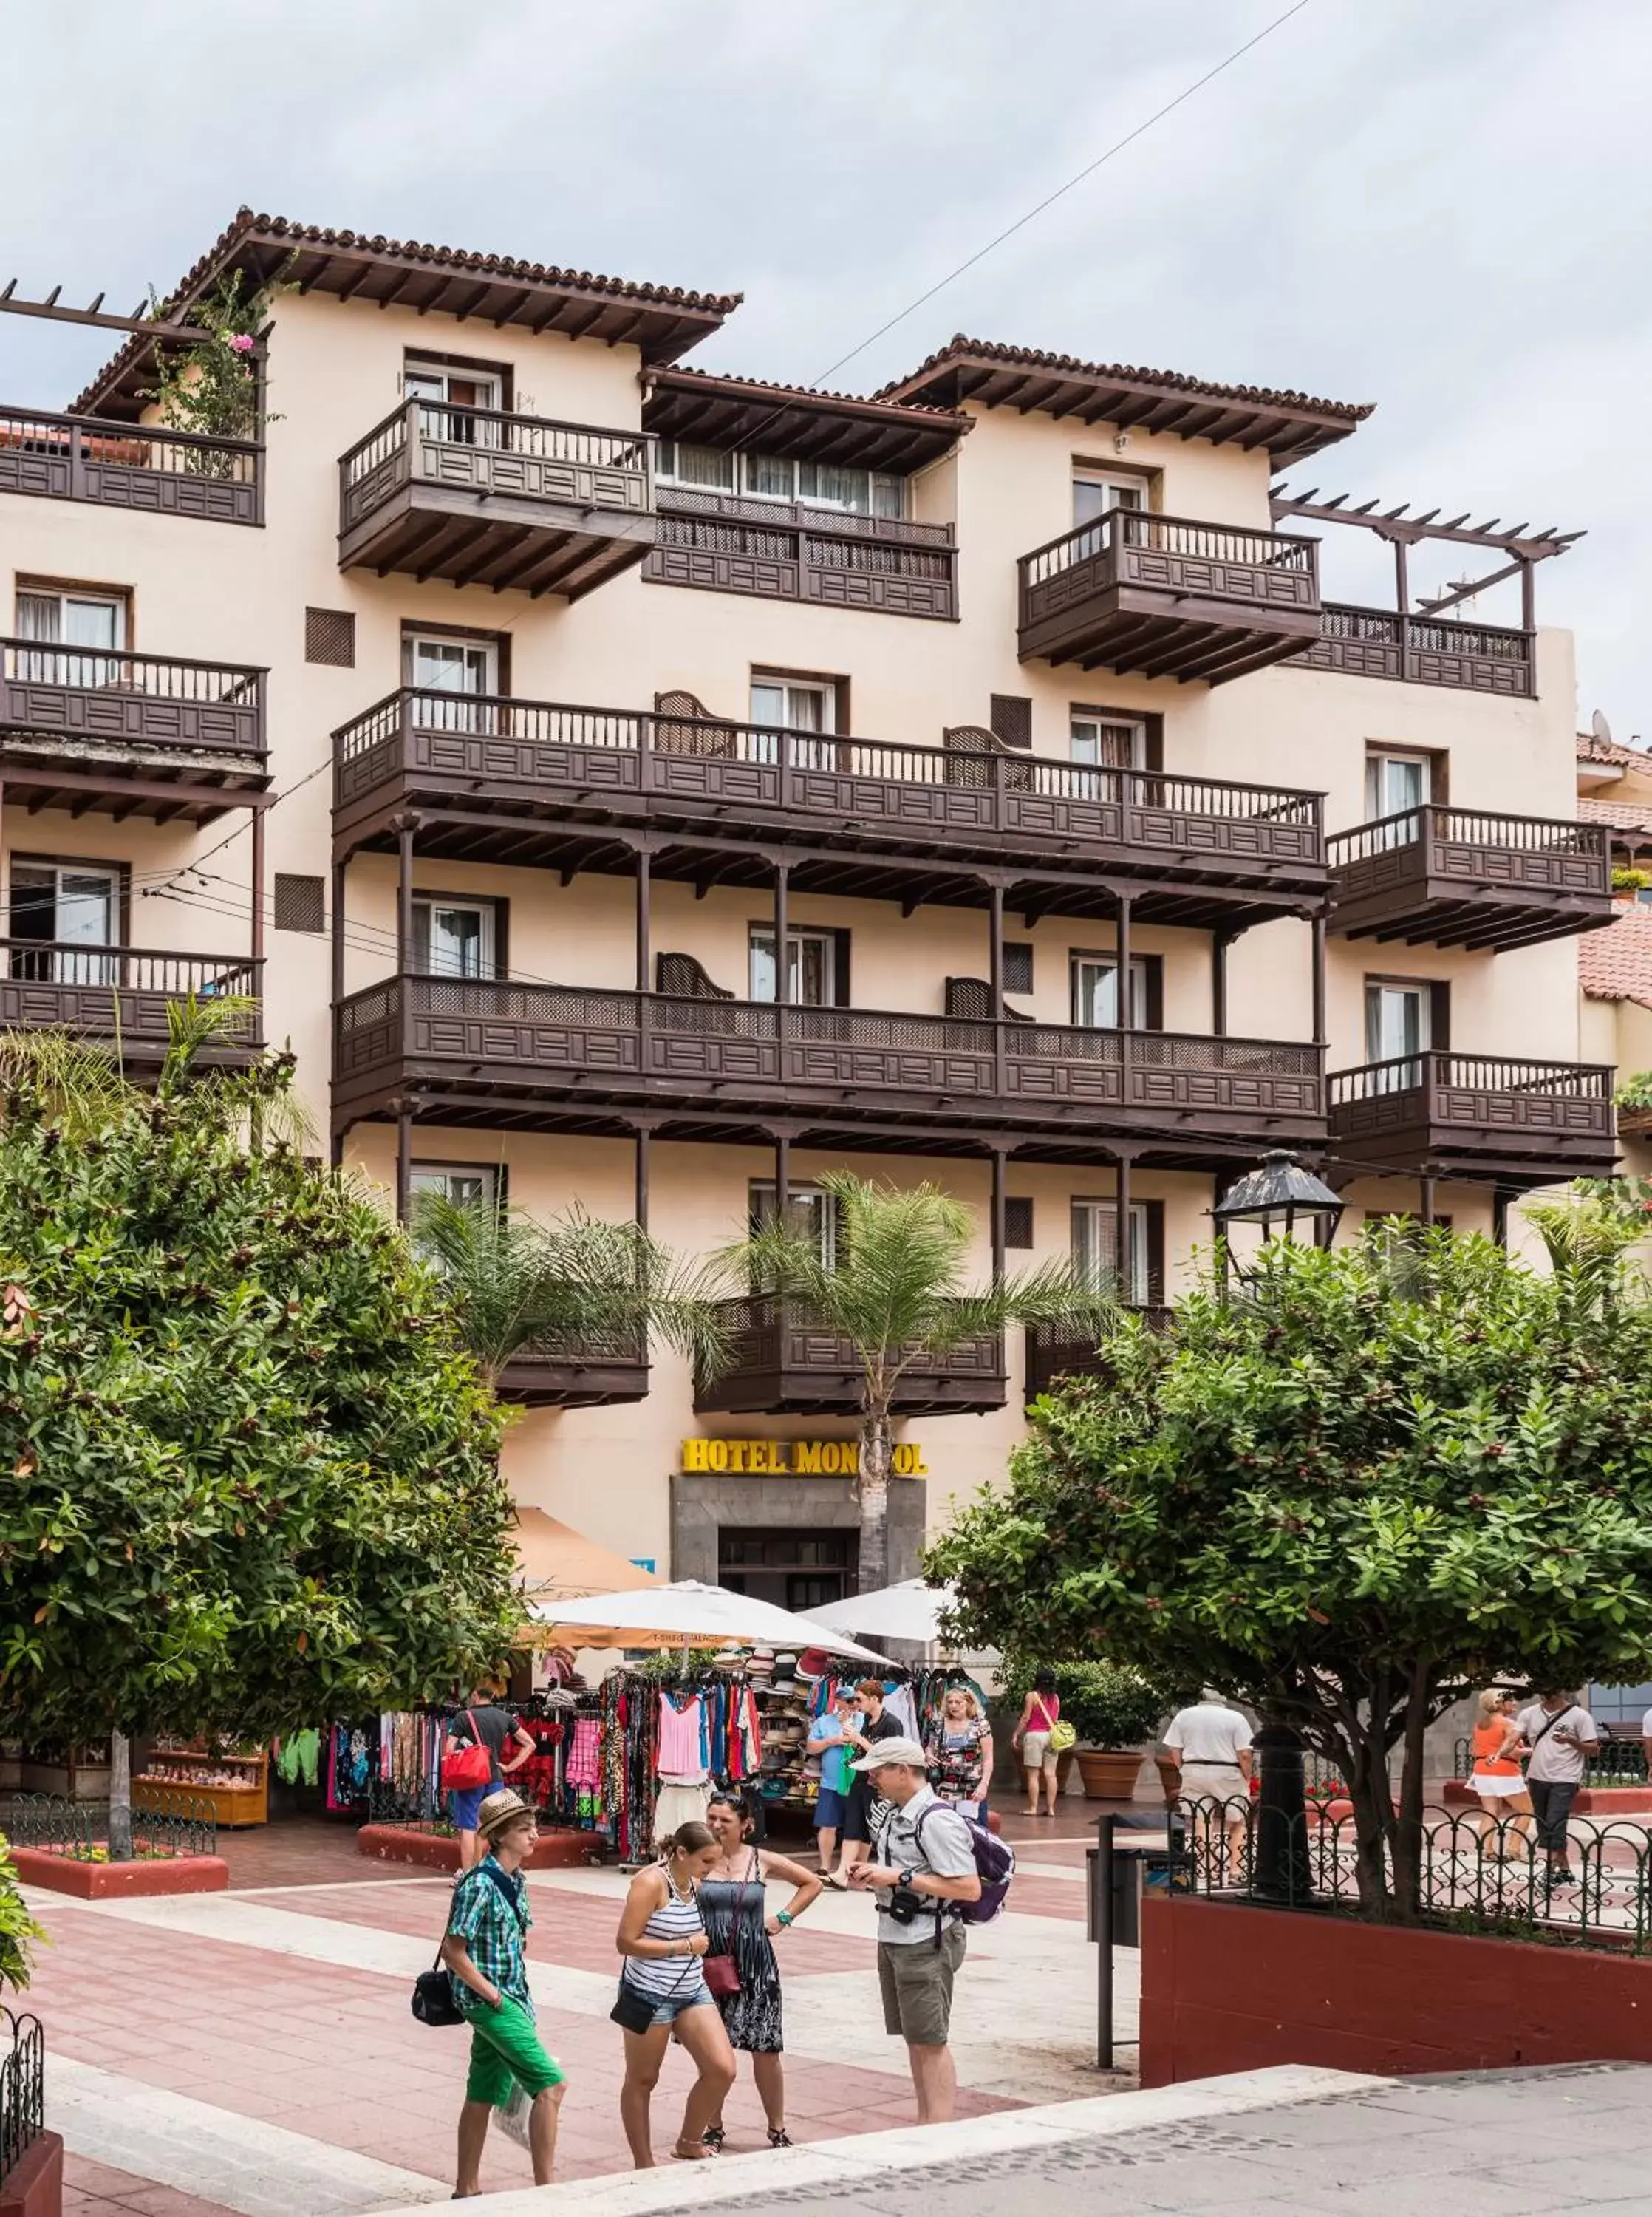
794, 1458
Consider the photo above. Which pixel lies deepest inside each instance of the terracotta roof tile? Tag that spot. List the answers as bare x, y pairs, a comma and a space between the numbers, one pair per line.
1623, 815
1616, 965
1589, 749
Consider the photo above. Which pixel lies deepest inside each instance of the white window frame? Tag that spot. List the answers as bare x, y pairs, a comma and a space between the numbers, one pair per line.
58, 659
426, 904
761, 942
760, 1191
45, 965
1098, 1212
1138, 977
1402, 1071
1113, 483
745, 465
455, 710
1083, 728
456, 430
1377, 763
445, 1177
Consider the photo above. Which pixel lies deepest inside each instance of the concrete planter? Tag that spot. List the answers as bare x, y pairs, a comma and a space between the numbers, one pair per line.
151, 1875
404, 1843
1229, 1987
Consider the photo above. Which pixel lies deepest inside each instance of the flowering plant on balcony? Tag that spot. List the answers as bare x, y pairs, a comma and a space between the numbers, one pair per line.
212, 385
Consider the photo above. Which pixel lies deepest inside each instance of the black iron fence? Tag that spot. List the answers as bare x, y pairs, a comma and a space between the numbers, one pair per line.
163, 1824
22, 2086
408, 1797
1478, 1872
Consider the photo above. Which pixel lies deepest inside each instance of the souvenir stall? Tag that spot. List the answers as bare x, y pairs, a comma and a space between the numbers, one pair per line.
666, 1733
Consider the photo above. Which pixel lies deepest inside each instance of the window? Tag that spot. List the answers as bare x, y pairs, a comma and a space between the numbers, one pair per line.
59, 909
809, 1211
1403, 1019
460, 670
1095, 1248
1394, 785
455, 938
777, 477
329, 637
791, 704
1018, 966
1106, 742
84, 619
463, 389
815, 967
1095, 992
300, 904
1096, 492
470, 1184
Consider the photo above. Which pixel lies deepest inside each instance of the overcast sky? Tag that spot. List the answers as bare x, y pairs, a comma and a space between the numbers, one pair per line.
1432, 204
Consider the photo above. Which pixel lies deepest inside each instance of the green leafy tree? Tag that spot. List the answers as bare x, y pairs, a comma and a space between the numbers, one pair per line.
18, 1930
251, 1477
1376, 1476
896, 1286
514, 1285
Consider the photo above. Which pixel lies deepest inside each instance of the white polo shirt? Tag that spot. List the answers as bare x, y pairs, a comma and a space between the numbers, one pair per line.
1209, 1732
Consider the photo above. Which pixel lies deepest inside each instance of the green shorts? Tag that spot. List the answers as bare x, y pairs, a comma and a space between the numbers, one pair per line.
506, 2049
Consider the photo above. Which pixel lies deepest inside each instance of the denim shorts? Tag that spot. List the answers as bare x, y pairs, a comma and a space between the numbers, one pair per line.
672, 2007
829, 1808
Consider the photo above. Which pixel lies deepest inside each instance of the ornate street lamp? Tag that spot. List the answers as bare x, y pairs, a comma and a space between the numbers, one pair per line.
1278, 1197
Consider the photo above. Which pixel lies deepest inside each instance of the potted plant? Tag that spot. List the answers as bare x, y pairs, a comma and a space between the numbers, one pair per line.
1112, 1710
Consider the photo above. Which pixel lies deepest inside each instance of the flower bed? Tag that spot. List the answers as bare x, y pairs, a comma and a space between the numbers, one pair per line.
92, 1877
430, 1849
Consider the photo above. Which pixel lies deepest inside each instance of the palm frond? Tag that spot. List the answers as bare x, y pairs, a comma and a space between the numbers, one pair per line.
74, 1082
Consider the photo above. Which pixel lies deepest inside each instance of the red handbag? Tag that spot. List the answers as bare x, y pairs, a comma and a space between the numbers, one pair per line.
467, 1768
722, 1975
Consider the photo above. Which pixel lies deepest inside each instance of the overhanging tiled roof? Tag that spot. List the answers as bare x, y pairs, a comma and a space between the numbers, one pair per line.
1290, 425
1622, 815
1616, 965
1590, 750
795, 420
496, 289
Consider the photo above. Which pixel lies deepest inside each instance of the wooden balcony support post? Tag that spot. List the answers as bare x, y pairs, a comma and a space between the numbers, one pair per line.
405, 828
257, 942
1499, 1194
995, 974
644, 1136
404, 1160
1402, 601
782, 1177
337, 920
1319, 978
1425, 1200
782, 957
1126, 1241
1220, 942
1124, 1003
645, 959
998, 1239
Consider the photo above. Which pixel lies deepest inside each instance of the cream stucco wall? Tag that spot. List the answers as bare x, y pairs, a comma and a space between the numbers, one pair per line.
235, 594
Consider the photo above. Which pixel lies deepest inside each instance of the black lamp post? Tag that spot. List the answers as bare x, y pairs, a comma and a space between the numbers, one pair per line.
1278, 1197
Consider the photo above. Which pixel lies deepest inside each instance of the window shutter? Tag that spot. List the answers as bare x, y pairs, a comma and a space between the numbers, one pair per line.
1018, 966
1018, 1222
1439, 1014
1153, 993
329, 637
300, 904
1155, 1253
840, 967
1153, 742
1012, 719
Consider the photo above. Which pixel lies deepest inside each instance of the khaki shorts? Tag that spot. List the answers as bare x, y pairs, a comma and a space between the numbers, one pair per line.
916, 1983
1035, 1750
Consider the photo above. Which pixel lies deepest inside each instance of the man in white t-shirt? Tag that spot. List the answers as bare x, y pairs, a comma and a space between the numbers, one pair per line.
1208, 1747
1561, 1736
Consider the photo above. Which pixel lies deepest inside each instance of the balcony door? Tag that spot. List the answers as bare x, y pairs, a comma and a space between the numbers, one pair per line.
793, 704
1094, 493
92, 622
810, 1212
1396, 786
1095, 1248
64, 914
463, 671
1103, 743
1399, 1028
434, 383
455, 938
467, 1186
815, 966
1095, 992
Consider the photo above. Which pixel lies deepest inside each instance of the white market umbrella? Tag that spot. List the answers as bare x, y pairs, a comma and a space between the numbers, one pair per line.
910, 1610
691, 1615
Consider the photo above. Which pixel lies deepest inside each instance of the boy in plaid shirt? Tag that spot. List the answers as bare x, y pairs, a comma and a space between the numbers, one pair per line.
487, 1963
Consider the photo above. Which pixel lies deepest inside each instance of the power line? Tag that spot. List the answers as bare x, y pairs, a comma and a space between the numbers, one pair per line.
1088, 170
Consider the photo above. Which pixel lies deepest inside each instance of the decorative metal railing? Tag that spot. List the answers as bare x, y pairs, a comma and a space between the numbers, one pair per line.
163, 1824
22, 2085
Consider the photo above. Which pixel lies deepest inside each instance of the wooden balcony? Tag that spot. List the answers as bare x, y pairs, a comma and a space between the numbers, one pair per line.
1517, 1122
789, 550
1168, 597
583, 1373
1423, 650
502, 763
1460, 877
136, 467
785, 1366
1054, 1351
142, 734
120, 994
480, 1052
481, 498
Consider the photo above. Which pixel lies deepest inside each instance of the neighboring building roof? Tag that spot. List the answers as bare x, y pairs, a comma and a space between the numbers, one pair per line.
1622, 815
1290, 425
664, 321
1616, 965
1589, 749
720, 411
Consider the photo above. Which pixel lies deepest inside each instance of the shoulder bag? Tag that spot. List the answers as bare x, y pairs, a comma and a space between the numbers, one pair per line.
468, 1766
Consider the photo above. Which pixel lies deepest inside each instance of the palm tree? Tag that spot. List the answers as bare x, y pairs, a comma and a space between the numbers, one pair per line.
894, 1288
515, 1283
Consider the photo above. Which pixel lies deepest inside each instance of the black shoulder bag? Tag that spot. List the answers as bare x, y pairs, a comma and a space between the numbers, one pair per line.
433, 2000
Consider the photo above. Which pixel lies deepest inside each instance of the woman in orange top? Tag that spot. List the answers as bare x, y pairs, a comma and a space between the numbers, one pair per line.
1497, 1777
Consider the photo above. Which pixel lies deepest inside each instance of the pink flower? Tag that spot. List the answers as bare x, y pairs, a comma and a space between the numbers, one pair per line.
241, 342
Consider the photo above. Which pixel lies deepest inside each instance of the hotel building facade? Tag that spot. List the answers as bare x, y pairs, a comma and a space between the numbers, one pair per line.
633, 786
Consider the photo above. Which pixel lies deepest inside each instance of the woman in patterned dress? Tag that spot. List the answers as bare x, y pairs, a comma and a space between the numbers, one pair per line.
738, 1924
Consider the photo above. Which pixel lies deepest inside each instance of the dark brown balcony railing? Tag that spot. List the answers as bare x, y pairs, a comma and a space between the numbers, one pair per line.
577, 1371
1422, 650
782, 1361
493, 454
120, 992
1465, 1104
605, 758
1068, 1350
578, 1038
1168, 595
138, 467
1470, 877
790, 551
156, 701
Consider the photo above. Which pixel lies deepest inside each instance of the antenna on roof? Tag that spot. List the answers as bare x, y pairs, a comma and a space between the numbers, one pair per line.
1600, 728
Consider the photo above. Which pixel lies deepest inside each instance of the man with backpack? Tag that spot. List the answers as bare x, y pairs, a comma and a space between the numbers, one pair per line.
926, 1876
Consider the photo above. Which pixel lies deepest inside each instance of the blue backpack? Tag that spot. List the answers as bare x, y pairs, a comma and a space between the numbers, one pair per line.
994, 1866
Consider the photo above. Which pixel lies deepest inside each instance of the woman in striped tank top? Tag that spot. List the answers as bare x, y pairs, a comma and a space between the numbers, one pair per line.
662, 1937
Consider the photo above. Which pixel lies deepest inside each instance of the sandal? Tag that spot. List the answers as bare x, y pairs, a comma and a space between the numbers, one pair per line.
779, 2136
686, 2151
713, 2137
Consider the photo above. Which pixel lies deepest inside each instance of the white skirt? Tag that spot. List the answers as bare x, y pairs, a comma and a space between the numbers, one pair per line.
1491, 1788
